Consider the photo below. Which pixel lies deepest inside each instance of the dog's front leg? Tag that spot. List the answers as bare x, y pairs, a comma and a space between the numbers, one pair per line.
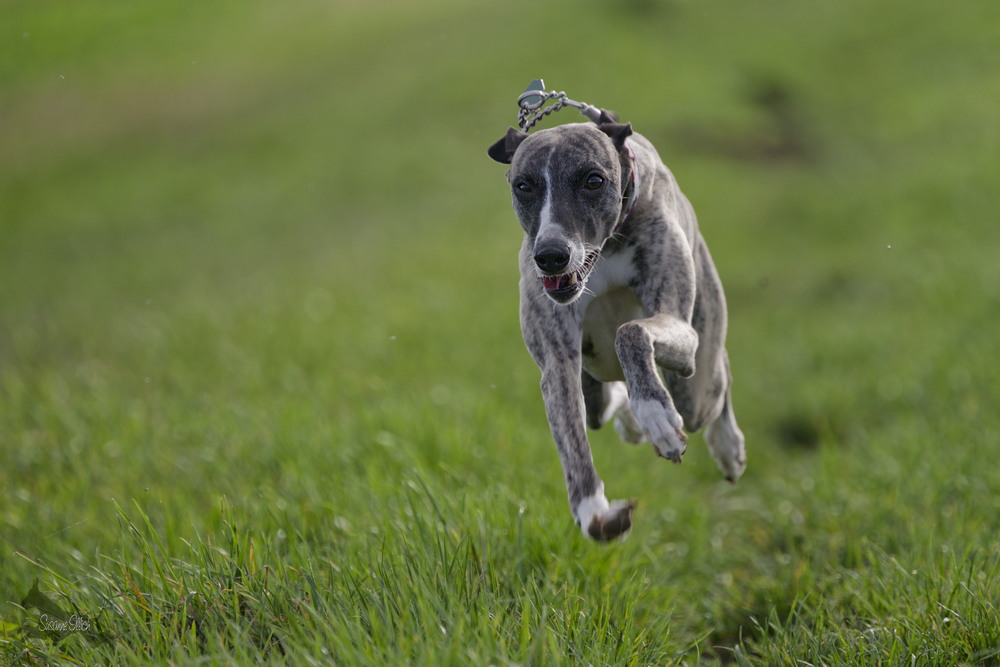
594, 514
553, 338
642, 345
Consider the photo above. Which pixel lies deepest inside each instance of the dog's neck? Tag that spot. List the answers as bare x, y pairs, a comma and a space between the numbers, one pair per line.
630, 193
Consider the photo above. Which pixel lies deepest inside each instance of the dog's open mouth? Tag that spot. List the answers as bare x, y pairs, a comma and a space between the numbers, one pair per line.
565, 286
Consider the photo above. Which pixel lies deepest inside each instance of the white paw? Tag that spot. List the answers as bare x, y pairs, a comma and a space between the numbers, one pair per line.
663, 427
590, 507
615, 400
617, 408
602, 520
627, 427
732, 468
726, 444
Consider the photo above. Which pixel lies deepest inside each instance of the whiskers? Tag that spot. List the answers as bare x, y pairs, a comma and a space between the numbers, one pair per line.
591, 255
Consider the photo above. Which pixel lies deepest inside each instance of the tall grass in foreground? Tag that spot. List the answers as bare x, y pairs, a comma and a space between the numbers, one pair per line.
474, 578
422, 596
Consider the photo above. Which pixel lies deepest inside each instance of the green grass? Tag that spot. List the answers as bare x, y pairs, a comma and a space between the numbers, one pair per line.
262, 392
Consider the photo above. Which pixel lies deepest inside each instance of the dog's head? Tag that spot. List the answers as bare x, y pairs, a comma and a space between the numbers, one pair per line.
566, 185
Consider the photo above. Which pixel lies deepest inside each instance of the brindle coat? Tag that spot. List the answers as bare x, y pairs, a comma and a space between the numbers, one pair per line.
609, 296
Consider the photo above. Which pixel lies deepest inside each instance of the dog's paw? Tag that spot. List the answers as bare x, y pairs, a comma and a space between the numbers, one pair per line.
663, 426
627, 427
602, 520
733, 469
616, 407
614, 522
726, 444
615, 400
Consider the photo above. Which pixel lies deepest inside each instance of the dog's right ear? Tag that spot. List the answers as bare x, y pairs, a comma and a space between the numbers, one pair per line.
618, 133
503, 150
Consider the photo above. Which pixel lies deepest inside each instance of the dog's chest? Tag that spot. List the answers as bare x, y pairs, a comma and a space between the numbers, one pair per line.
610, 303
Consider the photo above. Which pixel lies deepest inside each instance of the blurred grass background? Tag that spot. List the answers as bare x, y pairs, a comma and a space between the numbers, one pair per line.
254, 256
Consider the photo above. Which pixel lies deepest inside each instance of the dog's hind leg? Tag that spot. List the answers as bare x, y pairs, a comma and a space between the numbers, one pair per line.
706, 398
725, 439
609, 400
594, 400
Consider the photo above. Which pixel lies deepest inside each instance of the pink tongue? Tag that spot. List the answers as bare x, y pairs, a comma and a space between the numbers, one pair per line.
553, 283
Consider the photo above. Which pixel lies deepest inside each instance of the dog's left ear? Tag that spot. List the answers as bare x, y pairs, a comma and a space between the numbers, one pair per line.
607, 117
618, 133
503, 150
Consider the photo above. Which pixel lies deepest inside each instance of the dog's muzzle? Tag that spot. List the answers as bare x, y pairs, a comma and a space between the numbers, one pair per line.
561, 285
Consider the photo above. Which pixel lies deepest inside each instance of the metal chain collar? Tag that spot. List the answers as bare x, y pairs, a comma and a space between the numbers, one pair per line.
533, 99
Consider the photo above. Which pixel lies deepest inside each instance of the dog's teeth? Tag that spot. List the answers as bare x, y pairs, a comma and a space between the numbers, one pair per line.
572, 280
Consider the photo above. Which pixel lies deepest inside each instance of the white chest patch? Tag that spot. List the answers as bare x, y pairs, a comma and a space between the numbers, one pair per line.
610, 302
611, 272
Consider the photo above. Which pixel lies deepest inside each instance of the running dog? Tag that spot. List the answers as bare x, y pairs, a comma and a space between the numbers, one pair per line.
617, 286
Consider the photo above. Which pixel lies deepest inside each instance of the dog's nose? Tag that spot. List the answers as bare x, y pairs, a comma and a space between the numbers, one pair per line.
552, 260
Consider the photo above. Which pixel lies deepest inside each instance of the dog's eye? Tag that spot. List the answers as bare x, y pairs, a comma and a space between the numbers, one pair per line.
524, 187
594, 182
